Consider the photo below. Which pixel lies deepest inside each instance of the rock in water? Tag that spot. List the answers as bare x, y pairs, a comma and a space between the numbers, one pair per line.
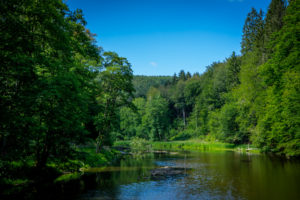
167, 172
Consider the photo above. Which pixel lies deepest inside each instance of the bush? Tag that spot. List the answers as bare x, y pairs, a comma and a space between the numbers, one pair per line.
138, 144
183, 135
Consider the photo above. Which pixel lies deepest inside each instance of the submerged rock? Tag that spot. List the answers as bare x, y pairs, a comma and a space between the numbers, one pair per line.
168, 171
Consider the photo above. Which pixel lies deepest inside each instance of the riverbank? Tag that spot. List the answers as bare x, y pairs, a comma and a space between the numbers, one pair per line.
188, 145
22, 180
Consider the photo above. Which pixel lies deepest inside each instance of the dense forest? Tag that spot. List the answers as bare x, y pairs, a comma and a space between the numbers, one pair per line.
249, 98
59, 89
142, 84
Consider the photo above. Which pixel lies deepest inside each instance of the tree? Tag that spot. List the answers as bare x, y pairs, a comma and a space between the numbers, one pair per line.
182, 75
188, 75
233, 66
174, 79
115, 83
131, 120
280, 125
252, 31
273, 23
156, 120
179, 100
43, 83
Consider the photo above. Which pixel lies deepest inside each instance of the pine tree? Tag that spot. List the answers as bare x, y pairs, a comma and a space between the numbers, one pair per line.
280, 126
188, 75
233, 67
182, 75
273, 23
252, 32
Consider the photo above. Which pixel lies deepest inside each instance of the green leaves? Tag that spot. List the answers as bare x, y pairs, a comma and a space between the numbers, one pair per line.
252, 31
43, 81
115, 90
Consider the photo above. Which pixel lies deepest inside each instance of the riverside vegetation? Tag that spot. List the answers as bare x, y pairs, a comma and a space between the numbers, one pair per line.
64, 100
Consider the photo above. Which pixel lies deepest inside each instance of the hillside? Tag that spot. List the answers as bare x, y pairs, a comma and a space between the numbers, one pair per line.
143, 83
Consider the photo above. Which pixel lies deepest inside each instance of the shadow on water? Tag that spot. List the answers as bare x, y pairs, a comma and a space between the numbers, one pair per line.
209, 175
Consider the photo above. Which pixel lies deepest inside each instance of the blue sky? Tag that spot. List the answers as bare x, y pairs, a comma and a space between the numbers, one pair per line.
161, 37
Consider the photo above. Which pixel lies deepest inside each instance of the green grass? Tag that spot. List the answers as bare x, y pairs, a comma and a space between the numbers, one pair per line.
122, 143
195, 145
202, 145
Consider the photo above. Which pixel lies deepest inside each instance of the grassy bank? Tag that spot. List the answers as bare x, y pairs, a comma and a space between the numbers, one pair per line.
190, 145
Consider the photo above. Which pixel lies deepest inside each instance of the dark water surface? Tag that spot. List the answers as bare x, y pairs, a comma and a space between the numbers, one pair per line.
213, 175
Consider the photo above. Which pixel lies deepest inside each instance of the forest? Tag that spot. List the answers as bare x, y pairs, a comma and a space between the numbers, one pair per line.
60, 91
249, 98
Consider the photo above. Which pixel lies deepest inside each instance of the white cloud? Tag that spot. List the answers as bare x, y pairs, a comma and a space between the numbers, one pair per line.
153, 64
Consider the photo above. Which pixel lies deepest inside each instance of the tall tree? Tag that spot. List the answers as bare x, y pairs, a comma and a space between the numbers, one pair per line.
179, 100
233, 67
43, 81
116, 87
188, 75
252, 31
156, 119
280, 126
174, 79
273, 23
182, 75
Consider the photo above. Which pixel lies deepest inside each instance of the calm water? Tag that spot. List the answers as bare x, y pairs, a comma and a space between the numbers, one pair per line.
213, 175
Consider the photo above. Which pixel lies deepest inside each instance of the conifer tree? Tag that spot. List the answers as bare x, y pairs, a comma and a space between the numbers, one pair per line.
252, 31
273, 23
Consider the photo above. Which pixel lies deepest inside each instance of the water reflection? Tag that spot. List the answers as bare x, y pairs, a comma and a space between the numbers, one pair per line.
214, 175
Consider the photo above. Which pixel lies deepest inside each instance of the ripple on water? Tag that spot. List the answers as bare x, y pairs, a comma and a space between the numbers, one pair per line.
212, 176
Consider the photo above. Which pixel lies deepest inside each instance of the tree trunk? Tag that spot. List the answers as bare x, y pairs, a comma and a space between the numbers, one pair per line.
183, 116
42, 159
98, 140
196, 118
159, 135
3, 145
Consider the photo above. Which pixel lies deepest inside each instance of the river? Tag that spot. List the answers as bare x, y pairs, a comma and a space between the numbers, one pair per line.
208, 175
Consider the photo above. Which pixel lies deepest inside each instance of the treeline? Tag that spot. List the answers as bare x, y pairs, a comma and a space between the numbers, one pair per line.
249, 98
142, 83
58, 89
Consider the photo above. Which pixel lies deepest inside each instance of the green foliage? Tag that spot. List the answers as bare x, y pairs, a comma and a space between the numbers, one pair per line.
273, 23
252, 31
116, 90
280, 125
194, 145
44, 83
89, 158
131, 120
245, 99
57, 89
183, 135
143, 83
156, 120
233, 67
67, 177
138, 145
181, 75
